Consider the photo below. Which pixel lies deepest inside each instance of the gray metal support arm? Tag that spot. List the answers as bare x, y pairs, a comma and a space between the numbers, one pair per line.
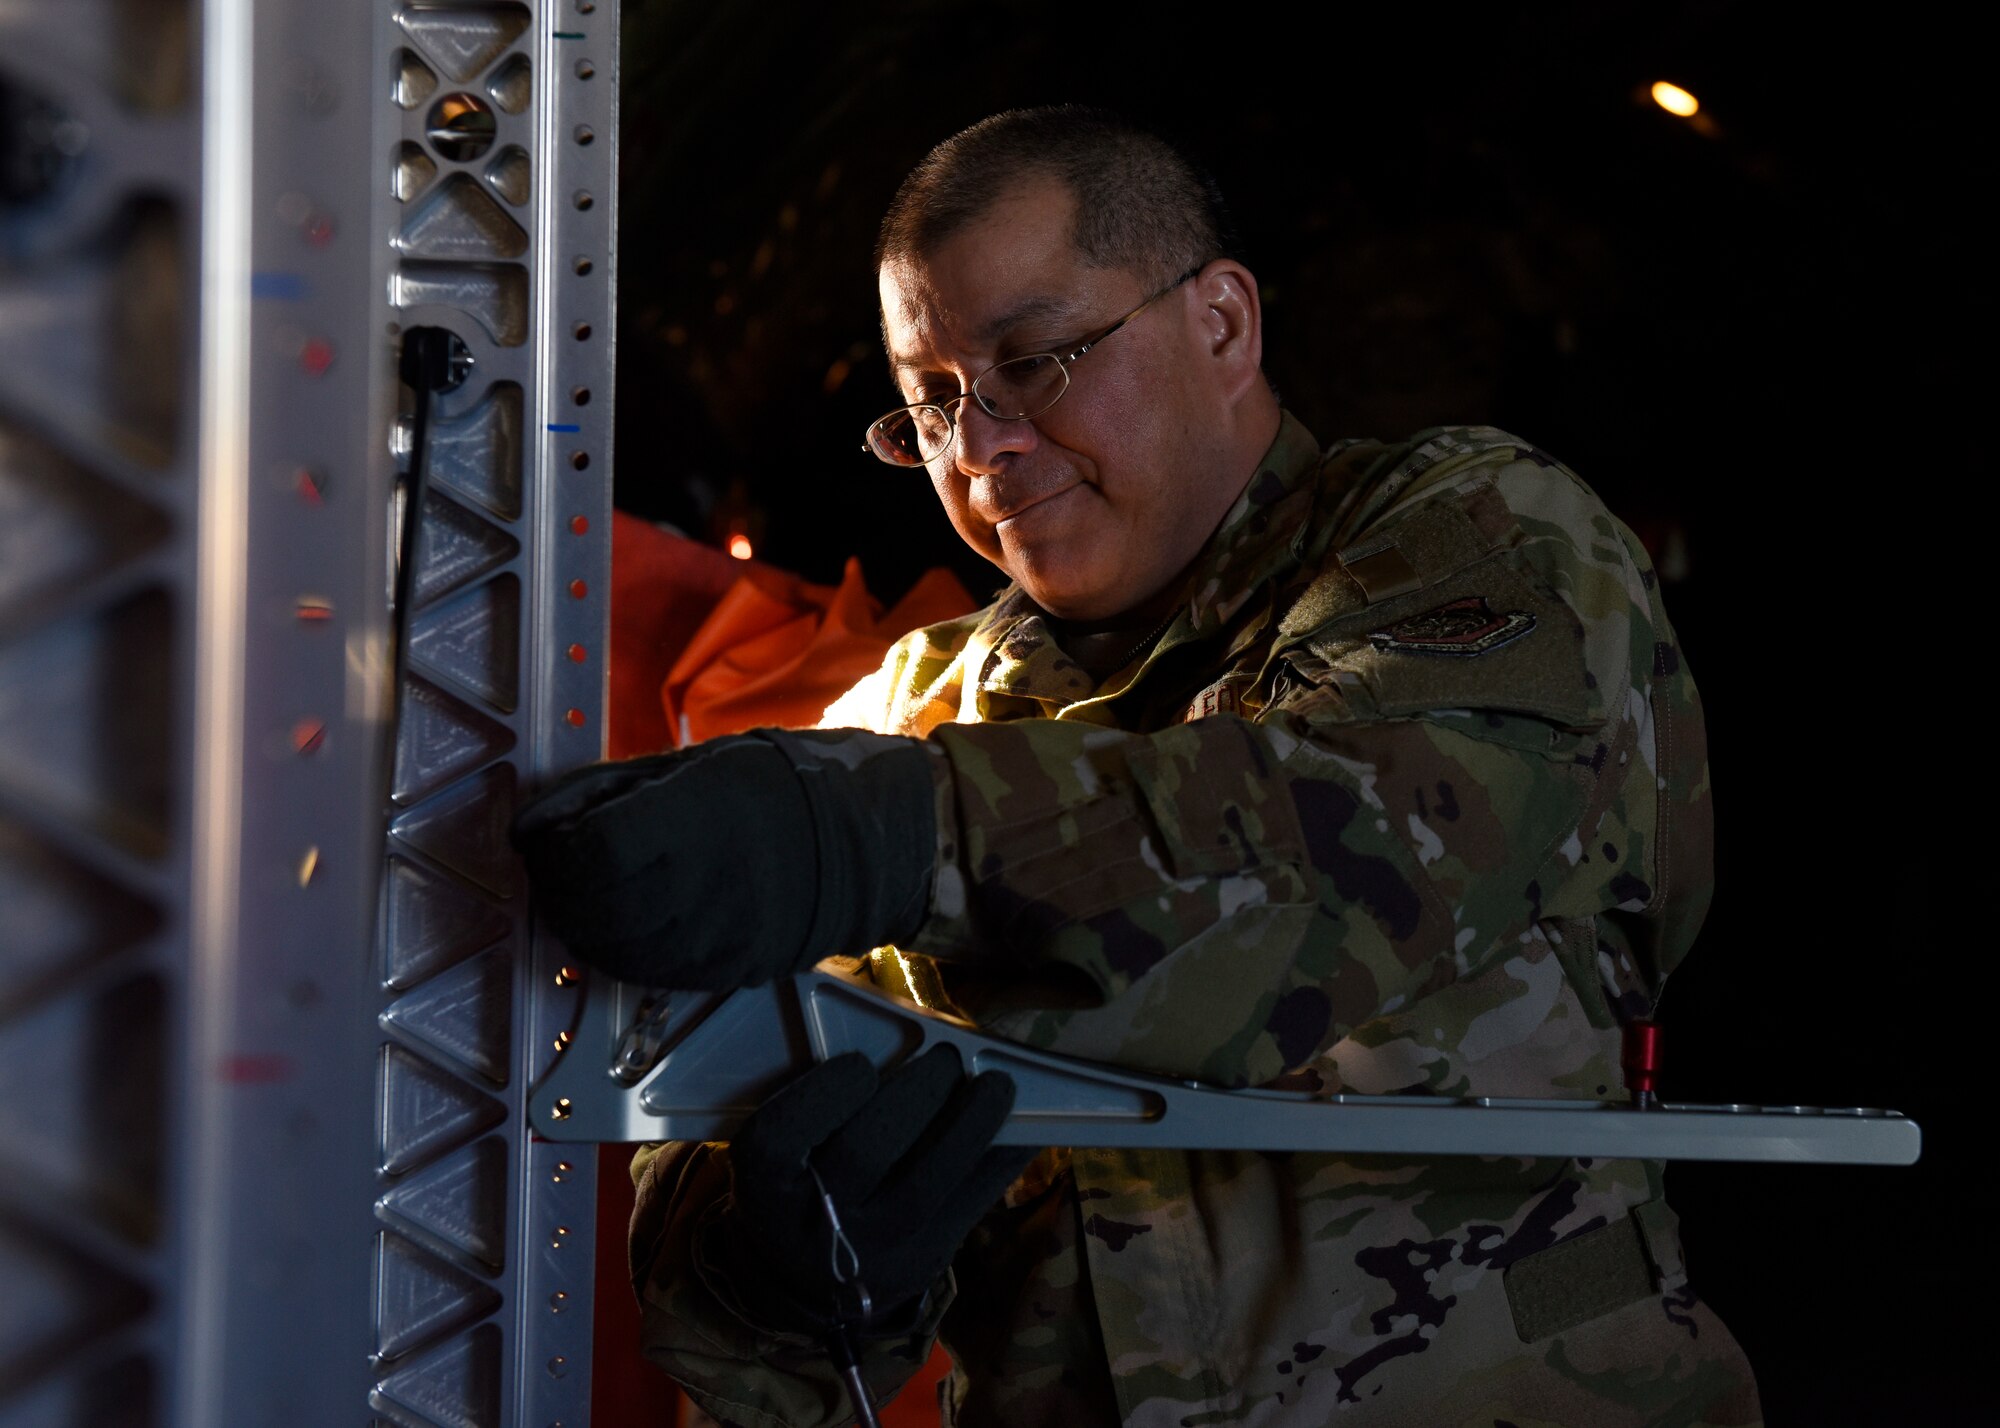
644, 1066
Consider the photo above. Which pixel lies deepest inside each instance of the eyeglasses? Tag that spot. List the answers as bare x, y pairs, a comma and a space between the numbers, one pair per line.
1019, 389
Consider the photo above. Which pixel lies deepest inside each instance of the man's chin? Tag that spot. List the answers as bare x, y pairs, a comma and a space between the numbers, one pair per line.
1076, 585
1065, 583
1094, 592
1074, 601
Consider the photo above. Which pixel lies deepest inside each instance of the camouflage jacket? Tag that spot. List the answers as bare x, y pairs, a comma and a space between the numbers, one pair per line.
1409, 796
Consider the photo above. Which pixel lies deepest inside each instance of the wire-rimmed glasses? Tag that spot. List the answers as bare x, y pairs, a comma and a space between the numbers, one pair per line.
1018, 389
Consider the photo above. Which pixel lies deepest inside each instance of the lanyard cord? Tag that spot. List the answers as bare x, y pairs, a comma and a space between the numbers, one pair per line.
841, 1345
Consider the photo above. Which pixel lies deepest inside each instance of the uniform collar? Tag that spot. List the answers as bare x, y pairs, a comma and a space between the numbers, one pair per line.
1013, 655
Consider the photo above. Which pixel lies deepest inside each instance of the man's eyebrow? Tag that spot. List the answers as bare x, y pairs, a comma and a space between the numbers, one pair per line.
1033, 309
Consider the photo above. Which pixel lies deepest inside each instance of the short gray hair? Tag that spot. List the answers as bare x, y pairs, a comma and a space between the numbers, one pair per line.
1142, 204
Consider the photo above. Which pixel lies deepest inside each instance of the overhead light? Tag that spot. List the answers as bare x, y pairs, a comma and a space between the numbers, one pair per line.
1675, 100
739, 546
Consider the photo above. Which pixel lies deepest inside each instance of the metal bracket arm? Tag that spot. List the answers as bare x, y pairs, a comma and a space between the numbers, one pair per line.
721, 1055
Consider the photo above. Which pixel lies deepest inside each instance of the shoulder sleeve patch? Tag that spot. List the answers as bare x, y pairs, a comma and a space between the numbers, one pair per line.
1487, 637
1463, 627
1437, 609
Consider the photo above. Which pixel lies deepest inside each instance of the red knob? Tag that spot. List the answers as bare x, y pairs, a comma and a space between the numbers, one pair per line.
1642, 1058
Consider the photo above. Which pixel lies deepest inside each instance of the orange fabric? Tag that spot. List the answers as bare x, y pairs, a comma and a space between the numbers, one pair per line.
702, 644
776, 650
662, 588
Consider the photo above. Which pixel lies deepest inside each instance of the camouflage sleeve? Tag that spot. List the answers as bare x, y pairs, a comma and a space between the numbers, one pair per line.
1227, 897
908, 693
693, 1327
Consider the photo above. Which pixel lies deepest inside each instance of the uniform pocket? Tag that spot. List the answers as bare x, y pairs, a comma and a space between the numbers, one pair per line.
1594, 1273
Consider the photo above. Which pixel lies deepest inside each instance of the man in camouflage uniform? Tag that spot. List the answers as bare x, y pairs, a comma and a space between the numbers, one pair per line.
1372, 769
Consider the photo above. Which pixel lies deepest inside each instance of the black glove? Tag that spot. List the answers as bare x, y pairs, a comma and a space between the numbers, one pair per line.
741, 859
909, 1161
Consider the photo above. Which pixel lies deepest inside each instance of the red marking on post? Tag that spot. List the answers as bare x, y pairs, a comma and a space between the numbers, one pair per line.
580, 524
578, 654
308, 735
575, 718
578, 589
313, 609
316, 356
309, 488
255, 1069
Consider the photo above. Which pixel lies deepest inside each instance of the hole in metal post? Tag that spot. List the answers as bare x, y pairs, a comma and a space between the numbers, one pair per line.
461, 127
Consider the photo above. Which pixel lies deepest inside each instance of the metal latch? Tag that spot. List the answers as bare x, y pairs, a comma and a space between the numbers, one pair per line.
644, 1041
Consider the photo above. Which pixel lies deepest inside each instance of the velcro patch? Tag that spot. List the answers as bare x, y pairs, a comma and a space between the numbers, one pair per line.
1467, 626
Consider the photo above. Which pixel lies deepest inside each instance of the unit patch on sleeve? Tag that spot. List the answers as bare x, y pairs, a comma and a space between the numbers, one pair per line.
1461, 627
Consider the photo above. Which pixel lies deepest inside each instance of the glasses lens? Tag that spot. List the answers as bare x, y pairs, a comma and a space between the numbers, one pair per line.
910, 436
1023, 387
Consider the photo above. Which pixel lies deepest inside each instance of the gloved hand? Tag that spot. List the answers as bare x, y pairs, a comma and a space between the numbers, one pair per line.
909, 1161
739, 860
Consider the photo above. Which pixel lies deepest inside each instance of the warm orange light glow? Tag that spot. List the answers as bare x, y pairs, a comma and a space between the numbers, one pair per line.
1675, 100
739, 546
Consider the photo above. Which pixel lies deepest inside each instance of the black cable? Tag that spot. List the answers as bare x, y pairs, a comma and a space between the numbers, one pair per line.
426, 369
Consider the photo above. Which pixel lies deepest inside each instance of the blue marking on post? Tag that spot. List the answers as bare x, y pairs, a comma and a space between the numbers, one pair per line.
564, 426
279, 287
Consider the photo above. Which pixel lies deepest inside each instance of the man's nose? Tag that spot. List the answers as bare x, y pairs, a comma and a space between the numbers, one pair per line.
986, 443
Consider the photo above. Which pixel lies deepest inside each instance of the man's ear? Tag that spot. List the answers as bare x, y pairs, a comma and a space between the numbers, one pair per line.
1231, 325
